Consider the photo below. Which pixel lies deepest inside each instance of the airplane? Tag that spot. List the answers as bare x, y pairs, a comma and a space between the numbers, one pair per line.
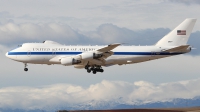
92, 58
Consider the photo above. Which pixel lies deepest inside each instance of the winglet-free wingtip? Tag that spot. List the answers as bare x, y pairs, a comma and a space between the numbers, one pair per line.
117, 44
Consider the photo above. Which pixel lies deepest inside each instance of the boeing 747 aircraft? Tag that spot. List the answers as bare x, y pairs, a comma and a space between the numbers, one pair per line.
92, 58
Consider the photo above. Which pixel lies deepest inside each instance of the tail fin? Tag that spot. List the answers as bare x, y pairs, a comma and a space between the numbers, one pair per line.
178, 36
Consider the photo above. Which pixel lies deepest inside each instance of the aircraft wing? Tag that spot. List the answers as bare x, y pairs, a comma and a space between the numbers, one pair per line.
106, 51
108, 48
175, 49
91, 56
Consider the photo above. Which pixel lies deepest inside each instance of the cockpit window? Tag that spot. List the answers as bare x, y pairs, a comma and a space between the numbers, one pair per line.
17, 47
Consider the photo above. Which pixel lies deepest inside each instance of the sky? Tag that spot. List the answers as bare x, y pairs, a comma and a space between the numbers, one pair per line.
92, 22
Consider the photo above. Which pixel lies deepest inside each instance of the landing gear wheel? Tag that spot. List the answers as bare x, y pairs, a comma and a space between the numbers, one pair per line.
25, 65
88, 70
94, 71
101, 70
26, 69
86, 67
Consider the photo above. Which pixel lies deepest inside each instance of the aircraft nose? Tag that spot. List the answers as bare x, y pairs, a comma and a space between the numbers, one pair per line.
6, 54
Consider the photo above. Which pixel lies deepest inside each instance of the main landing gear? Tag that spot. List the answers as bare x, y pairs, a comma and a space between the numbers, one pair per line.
94, 69
25, 65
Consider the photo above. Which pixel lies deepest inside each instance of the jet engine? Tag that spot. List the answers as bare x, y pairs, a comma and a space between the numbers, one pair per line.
90, 55
69, 61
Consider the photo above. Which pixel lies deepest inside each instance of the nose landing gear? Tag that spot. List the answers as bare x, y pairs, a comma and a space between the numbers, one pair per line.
25, 65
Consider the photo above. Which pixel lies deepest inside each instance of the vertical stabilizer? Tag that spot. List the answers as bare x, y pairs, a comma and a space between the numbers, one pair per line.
178, 36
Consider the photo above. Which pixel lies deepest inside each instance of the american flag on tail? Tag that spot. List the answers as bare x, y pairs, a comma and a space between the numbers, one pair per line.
181, 32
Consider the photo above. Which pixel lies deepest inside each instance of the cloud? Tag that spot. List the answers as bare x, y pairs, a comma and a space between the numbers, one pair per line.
194, 42
134, 15
105, 34
12, 33
111, 33
128, 93
187, 2
124, 21
5, 17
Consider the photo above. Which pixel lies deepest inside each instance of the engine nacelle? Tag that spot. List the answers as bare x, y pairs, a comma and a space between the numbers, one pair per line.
90, 55
96, 56
69, 61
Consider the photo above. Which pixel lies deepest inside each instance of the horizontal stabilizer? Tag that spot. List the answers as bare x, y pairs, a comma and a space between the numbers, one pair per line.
176, 49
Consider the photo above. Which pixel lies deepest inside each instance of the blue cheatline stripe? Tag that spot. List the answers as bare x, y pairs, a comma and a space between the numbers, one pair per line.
146, 53
75, 53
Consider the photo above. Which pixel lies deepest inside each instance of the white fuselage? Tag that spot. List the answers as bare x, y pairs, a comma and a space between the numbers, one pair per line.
41, 53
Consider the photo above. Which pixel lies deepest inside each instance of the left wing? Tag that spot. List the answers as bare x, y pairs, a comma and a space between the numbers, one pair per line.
109, 47
106, 51
99, 54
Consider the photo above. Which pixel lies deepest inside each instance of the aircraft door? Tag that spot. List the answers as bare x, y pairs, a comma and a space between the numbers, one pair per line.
28, 53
